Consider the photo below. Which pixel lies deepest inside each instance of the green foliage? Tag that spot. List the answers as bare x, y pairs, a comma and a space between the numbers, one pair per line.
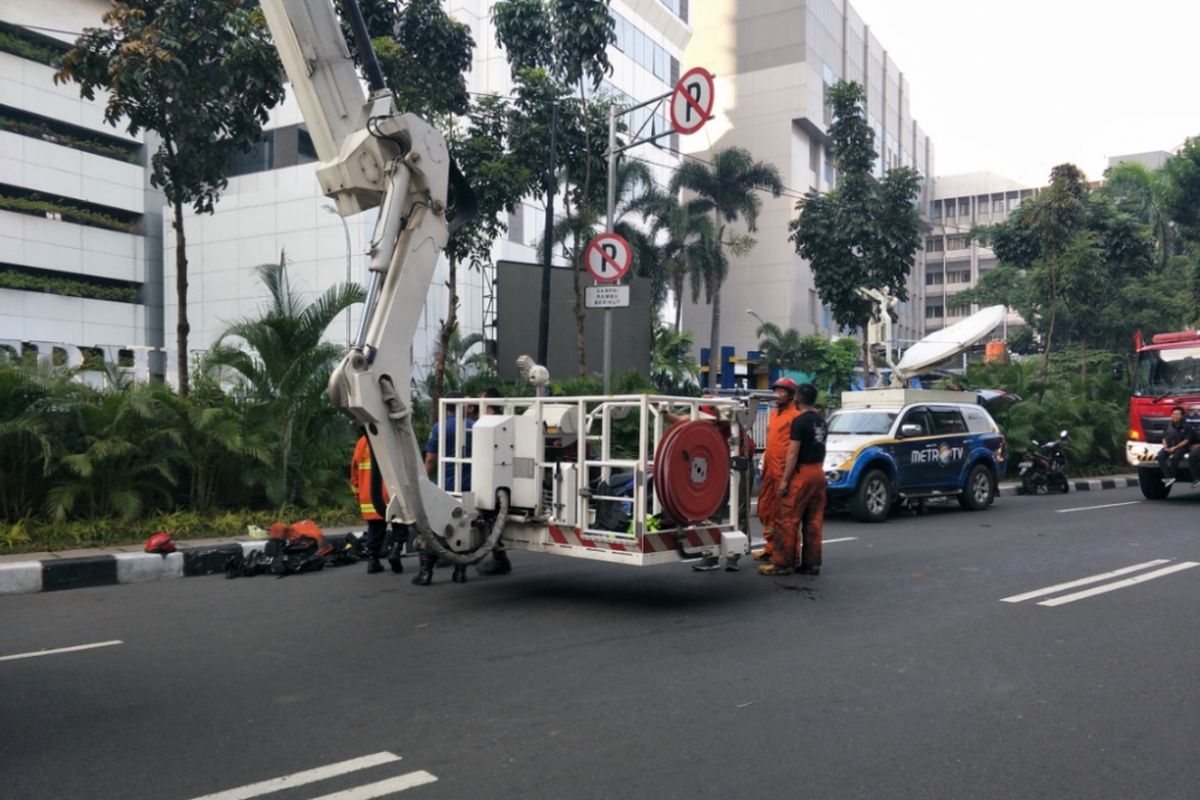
685, 250
865, 232
1182, 192
1094, 410
673, 368
70, 287
20, 43
71, 213
282, 377
423, 57
88, 144
569, 38
728, 188
202, 74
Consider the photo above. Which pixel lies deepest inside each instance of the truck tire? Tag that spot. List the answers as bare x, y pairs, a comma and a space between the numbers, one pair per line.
1150, 482
979, 490
872, 500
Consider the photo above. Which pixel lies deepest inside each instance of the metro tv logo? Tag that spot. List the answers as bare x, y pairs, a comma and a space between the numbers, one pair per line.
942, 454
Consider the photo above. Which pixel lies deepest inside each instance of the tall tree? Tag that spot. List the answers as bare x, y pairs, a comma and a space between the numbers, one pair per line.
865, 232
552, 46
202, 74
1183, 189
1142, 193
672, 367
728, 188
783, 349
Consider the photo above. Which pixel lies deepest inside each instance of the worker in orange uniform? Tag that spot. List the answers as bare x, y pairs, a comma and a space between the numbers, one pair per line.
373, 542
801, 493
779, 432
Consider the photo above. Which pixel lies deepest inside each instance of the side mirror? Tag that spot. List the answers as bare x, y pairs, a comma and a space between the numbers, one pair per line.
910, 430
1063, 435
1034, 442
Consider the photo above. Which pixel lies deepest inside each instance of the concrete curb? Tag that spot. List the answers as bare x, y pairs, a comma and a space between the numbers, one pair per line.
1088, 485
50, 575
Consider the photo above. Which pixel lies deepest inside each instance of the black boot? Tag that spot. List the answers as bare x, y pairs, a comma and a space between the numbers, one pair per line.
498, 564
424, 575
460, 573
396, 564
373, 565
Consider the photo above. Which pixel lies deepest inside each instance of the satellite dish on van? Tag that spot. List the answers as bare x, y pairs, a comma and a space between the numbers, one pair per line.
949, 342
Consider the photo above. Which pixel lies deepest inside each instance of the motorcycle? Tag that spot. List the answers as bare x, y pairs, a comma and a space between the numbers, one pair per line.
1045, 467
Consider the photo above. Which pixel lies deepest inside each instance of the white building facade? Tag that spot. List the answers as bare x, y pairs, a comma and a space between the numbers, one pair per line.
80, 246
774, 62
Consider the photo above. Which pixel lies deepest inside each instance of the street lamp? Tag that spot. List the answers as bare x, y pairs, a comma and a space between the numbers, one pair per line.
761, 322
346, 230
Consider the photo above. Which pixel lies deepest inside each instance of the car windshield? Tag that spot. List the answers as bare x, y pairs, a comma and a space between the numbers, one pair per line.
862, 422
1164, 372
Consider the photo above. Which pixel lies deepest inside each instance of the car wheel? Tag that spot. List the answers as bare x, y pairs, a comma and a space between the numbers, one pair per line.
873, 499
977, 494
1150, 482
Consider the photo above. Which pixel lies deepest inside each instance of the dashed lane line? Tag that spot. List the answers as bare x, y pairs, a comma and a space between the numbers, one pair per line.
1110, 587
59, 650
305, 777
382, 788
1020, 598
1097, 508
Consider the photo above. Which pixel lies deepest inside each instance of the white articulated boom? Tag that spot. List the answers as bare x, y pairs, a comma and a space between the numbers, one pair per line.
540, 468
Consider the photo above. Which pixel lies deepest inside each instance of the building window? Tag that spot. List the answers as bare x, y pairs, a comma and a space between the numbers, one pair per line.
678, 7
935, 209
959, 276
828, 163
933, 312
814, 158
631, 41
949, 209
933, 279
812, 307
516, 224
956, 242
933, 244
997, 204
964, 207
259, 159
306, 151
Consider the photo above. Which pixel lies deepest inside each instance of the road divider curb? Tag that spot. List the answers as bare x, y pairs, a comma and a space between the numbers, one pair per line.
49, 575
1081, 485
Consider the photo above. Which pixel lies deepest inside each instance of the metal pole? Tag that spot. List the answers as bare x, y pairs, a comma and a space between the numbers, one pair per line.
345, 230
611, 212
547, 244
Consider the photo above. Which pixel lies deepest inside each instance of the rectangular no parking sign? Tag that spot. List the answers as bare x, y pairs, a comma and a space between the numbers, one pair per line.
606, 296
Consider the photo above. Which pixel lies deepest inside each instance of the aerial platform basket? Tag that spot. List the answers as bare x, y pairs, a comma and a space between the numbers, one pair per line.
629, 479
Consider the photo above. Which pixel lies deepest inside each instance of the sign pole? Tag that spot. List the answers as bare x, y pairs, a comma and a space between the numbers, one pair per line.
610, 227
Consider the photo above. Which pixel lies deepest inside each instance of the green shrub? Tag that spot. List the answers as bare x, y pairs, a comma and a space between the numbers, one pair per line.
13, 41
96, 146
70, 287
70, 213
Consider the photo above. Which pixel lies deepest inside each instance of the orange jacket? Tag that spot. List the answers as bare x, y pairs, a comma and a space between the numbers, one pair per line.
360, 479
779, 436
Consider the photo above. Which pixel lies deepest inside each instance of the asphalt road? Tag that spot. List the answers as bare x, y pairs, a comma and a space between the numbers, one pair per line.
900, 672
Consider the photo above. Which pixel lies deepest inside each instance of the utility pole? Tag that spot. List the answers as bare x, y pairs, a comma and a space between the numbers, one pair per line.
547, 243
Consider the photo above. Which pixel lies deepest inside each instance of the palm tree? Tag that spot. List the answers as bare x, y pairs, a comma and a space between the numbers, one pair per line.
728, 187
1142, 193
671, 364
686, 244
780, 348
286, 367
460, 364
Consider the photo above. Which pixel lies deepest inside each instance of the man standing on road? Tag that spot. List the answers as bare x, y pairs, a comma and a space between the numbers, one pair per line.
1175, 445
801, 493
373, 541
779, 430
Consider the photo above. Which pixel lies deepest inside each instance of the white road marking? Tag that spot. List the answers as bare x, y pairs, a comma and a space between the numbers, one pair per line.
1109, 587
302, 778
58, 650
1095, 508
382, 788
843, 539
1018, 598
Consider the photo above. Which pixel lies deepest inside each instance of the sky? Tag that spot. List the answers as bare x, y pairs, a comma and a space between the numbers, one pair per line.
1018, 86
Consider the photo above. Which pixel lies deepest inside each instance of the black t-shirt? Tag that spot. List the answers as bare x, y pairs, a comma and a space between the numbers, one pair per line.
809, 430
1174, 435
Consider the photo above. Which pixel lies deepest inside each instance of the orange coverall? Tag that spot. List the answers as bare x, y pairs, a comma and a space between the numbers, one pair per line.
360, 480
779, 429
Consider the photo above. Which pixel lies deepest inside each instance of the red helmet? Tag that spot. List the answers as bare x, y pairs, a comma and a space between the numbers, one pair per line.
160, 542
785, 383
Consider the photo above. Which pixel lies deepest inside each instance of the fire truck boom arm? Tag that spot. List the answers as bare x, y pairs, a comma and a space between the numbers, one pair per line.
371, 156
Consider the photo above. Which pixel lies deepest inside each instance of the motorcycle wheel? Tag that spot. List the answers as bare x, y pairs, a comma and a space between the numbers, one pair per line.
1034, 483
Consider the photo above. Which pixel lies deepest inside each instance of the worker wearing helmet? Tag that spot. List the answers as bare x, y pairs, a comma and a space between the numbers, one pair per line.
779, 428
373, 542
801, 493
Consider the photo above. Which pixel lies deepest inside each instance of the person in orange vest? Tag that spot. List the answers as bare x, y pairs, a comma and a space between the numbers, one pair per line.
779, 432
799, 530
373, 542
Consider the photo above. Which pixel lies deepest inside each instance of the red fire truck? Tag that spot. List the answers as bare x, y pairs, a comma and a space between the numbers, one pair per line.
1167, 376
